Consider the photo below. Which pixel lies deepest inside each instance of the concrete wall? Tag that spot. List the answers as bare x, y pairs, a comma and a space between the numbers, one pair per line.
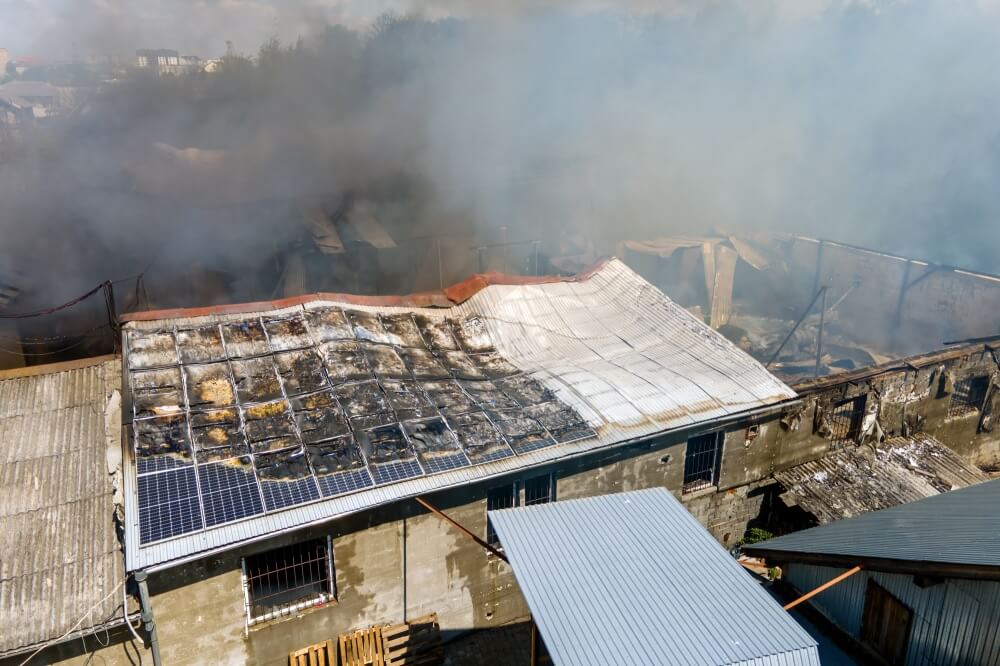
954, 623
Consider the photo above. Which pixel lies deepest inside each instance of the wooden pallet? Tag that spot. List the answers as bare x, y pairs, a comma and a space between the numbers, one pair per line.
416, 643
320, 654
363, 647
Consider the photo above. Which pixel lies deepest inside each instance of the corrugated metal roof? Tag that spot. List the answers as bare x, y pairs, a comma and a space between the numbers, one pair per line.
634, 578
59, 555
958, 528
612, 346
857, 480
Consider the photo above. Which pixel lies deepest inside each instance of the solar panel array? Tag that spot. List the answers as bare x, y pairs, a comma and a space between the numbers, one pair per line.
236, 419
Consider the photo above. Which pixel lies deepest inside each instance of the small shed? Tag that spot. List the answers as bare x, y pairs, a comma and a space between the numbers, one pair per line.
634, 578
926, 587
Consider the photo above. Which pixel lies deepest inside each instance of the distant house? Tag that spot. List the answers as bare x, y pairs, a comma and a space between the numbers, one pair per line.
928, 589
166, 61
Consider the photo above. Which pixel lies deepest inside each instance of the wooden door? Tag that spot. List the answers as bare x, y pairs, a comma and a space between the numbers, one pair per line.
885, 624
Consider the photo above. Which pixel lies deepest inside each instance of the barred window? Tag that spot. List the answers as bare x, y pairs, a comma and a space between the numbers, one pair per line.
502, 497
846, 418
968, 396
701, 461
539, 490
283, 581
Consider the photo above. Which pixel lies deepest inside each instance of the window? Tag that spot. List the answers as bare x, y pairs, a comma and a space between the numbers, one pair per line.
503, 497
968, 396
538, 490
161, 60
288, 579
142, 61
846, 418
701, 461
885, 624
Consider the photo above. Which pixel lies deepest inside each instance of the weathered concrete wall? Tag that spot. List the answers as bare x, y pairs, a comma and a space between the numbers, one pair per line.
401, 562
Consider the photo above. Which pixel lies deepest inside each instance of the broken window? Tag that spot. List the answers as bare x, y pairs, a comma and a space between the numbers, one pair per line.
968, 396
539, 490
501, 497
846, 418
701, 461
286, 580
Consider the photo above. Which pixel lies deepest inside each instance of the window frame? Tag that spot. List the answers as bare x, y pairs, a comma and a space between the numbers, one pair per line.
549, 497
290, 608
971, 399
687, 486
515, 495
857, 416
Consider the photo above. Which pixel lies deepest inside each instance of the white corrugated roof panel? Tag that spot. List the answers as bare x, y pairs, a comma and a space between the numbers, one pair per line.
634, 575
610, 346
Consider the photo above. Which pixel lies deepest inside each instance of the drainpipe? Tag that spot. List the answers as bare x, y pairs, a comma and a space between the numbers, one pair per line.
147, 616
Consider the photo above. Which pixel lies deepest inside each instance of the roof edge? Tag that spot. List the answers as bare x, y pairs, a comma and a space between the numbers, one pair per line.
882, 564
52, 368
452, 295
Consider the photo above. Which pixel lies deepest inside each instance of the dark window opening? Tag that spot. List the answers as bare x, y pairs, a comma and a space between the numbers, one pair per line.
885, 624
968, 396
280, 581
503, 497
701, 461
846, 418
539, 490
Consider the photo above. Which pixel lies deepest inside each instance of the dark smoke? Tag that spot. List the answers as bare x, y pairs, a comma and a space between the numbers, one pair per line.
874, 125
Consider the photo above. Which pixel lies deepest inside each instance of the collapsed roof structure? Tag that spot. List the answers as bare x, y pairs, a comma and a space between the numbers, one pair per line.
807, 306
245, 422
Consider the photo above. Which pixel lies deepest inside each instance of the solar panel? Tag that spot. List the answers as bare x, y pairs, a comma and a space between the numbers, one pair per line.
285, 479
390, 456
168, 504
200, 345
436, 446
339, 466
229, 490
236, 419
161, 444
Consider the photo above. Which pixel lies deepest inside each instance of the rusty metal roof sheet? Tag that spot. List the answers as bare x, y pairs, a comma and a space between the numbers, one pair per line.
59, 555
638, 570
608, 344
857, 480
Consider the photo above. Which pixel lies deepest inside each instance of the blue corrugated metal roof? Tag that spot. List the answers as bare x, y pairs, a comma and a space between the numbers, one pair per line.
634, 578
960, 527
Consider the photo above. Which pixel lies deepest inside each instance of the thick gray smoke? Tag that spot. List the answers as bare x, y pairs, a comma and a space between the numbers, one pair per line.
875, 125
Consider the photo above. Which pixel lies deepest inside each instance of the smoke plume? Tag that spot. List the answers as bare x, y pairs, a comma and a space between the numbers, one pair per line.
874, 124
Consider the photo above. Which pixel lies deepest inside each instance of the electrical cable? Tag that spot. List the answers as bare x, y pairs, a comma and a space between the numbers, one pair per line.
127, 620
47, 311
73, 628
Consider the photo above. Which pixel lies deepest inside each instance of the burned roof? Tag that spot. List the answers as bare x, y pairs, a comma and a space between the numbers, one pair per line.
856, 480
955, 533
249, 423
60, 559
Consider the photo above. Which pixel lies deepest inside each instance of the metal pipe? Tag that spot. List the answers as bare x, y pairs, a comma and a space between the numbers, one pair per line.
424, 503
819, 335
825, 586
146, 613
802, 318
